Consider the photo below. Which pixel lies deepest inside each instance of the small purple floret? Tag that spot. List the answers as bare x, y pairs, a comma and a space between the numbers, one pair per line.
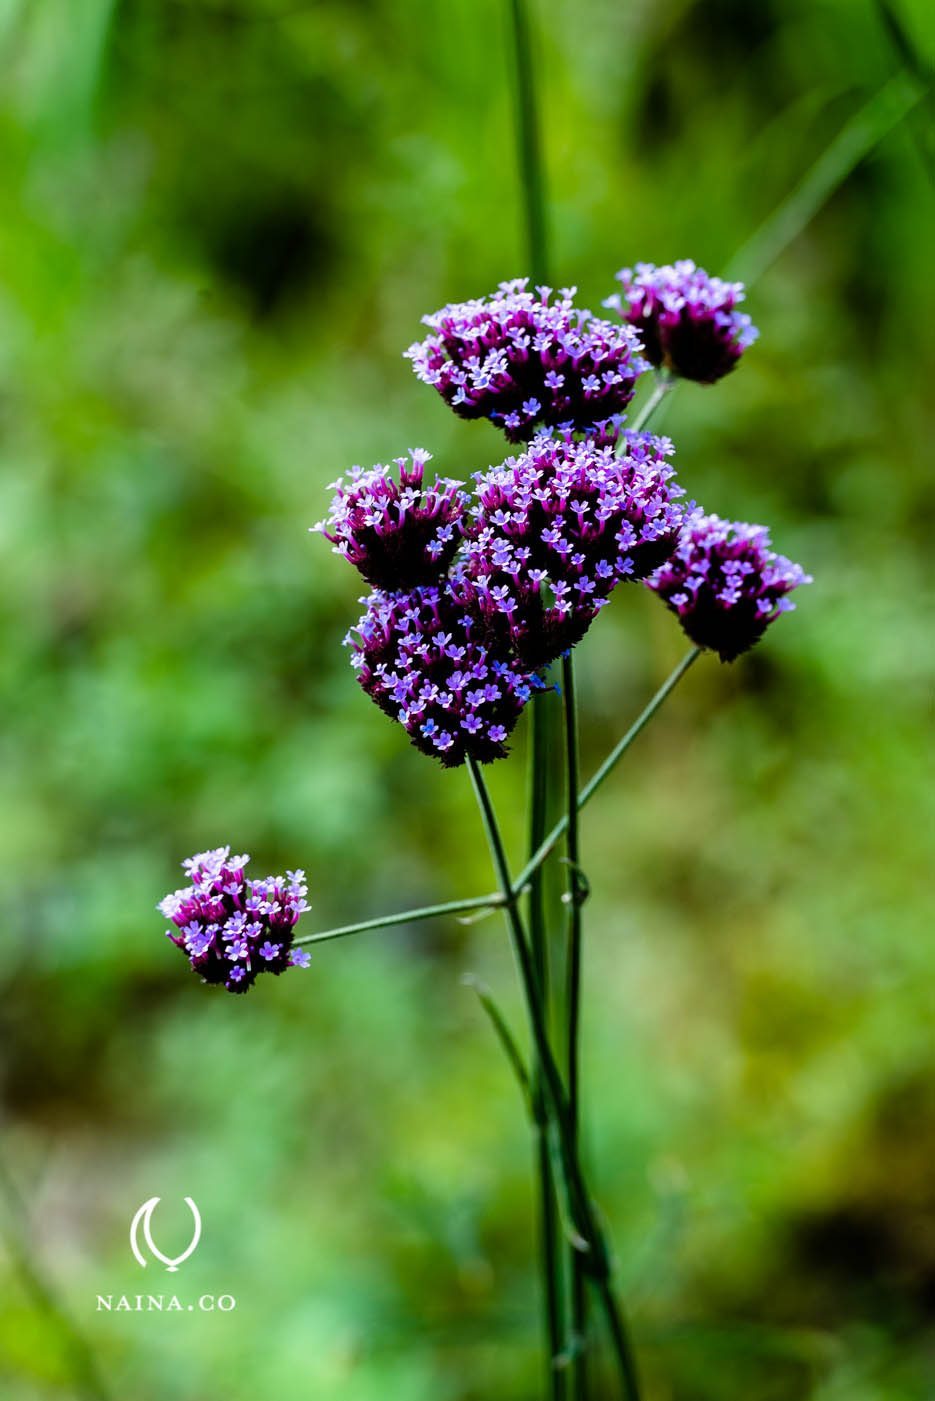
725, 584
556, 530
221, 917
525, 361
687, 321
421, 658
399, 534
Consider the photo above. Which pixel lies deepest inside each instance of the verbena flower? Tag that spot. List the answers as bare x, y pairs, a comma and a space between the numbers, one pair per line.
725, 584
419, 656
232, 928
401, 533
556, 529
687, 321
523, 360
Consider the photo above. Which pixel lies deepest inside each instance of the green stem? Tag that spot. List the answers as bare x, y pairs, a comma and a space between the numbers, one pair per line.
448, 907
542, 751
576, 886
532, 183
616, 754
549, 1252
529, 144
592, 1244
623, 1350
532, 959
545, 847
664, 382
856, 139
503, 1034
577, 893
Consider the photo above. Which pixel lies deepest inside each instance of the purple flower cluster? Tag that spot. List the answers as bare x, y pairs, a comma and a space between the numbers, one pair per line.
398, 534
725, 584
232, 928
556, 529
472, 599
525, 361
419, 657
686, 320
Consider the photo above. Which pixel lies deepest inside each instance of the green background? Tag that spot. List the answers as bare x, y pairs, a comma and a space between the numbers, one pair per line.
220, 222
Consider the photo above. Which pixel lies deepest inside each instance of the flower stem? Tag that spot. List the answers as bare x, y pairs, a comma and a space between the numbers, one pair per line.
448, 907
577, 889
540, 794
616, 754
528, 142
503, 1034
623, 1350
542, 851
577, 893
664, 382
592, 1244
543, 723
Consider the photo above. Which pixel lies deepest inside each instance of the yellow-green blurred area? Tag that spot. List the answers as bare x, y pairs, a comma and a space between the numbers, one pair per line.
221, 222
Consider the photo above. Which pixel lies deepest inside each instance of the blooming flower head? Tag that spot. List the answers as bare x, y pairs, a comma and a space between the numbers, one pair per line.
398, 534
556, 529
686, 320
419, 656
524, 360
233, 928
725, 584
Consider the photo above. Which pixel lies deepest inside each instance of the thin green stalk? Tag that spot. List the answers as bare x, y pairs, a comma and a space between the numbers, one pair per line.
921, 127
534, 955
541, 766
664, 382
639, 724
576, 885
529, 143
616, 754
448, 907
550, 1253
623, 1350
594, 1246
546, 846
532, 182
577, 891
534, 1101
503, 1034
856, 139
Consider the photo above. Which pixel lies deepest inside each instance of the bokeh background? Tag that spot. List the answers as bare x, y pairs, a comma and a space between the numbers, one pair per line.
221, 222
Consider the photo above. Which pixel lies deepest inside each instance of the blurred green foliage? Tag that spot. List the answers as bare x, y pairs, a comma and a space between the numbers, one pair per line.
221, 222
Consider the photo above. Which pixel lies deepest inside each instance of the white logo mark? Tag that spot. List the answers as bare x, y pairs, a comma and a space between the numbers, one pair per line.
144, 1217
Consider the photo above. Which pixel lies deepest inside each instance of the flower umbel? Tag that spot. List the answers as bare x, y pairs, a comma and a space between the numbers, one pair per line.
524, 361
398, 534
556, 530
419, 656
725, 584
686, 320
232, 928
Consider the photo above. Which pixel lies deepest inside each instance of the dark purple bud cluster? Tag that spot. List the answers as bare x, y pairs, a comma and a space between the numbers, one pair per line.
233, 929
398, 534
525, 361
725, 584
686, 320
420, 657
556, 529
